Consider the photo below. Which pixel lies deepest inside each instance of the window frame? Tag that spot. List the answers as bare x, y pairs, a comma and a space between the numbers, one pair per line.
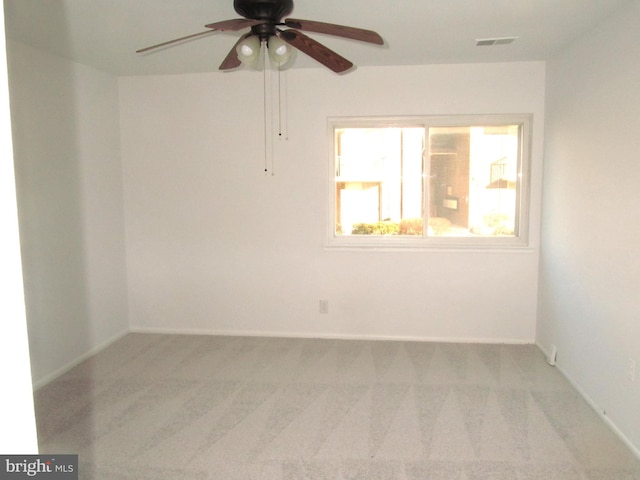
410, 242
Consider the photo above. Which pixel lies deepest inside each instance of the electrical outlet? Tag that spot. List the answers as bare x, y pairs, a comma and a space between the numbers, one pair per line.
324, 306
631, 369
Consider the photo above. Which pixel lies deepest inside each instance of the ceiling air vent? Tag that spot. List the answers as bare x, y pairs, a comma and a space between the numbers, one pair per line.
488, 42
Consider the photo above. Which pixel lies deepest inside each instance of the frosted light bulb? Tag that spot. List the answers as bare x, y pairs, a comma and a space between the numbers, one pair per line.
279, 51
249, 51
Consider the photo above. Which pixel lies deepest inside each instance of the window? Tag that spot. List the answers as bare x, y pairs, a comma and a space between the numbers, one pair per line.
452, 181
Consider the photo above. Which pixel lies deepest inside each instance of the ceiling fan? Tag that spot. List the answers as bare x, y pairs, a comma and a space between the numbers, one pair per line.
264, 17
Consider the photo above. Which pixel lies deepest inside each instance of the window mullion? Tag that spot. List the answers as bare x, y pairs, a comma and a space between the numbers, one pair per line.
426, 177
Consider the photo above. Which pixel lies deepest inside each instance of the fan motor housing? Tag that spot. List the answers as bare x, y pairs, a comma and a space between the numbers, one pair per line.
272, 10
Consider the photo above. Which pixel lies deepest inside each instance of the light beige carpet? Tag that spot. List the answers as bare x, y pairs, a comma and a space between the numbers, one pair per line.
154, 407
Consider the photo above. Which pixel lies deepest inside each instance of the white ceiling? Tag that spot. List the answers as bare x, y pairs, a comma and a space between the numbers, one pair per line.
105, 33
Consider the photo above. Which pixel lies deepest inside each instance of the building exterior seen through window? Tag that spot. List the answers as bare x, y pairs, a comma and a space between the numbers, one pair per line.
424, 181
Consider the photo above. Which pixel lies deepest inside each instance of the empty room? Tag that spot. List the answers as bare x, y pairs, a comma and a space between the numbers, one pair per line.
322, 240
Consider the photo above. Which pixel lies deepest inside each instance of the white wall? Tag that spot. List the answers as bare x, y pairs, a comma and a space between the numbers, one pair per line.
590, 262
18, 432
215, 245
68, 173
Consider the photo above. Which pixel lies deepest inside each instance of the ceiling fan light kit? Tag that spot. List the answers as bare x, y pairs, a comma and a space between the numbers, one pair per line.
264, 18
249, 51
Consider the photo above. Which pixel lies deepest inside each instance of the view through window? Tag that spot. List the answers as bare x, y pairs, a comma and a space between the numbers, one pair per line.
422, 181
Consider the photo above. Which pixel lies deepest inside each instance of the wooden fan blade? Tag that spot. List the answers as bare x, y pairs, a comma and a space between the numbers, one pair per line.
315, 50
359, 34
232, 60
234, 24
176, 40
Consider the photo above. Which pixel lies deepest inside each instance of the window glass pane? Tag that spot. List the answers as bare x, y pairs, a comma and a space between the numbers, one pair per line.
473, 180
457, 183
379, 181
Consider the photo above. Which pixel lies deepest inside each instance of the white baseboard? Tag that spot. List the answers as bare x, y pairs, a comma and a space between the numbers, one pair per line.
332, 336
77, 361
597, 408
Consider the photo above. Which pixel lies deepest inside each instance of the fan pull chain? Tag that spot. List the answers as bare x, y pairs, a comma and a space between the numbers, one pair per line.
272, 124
282, 107
264, 111
268, 112
279, 101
